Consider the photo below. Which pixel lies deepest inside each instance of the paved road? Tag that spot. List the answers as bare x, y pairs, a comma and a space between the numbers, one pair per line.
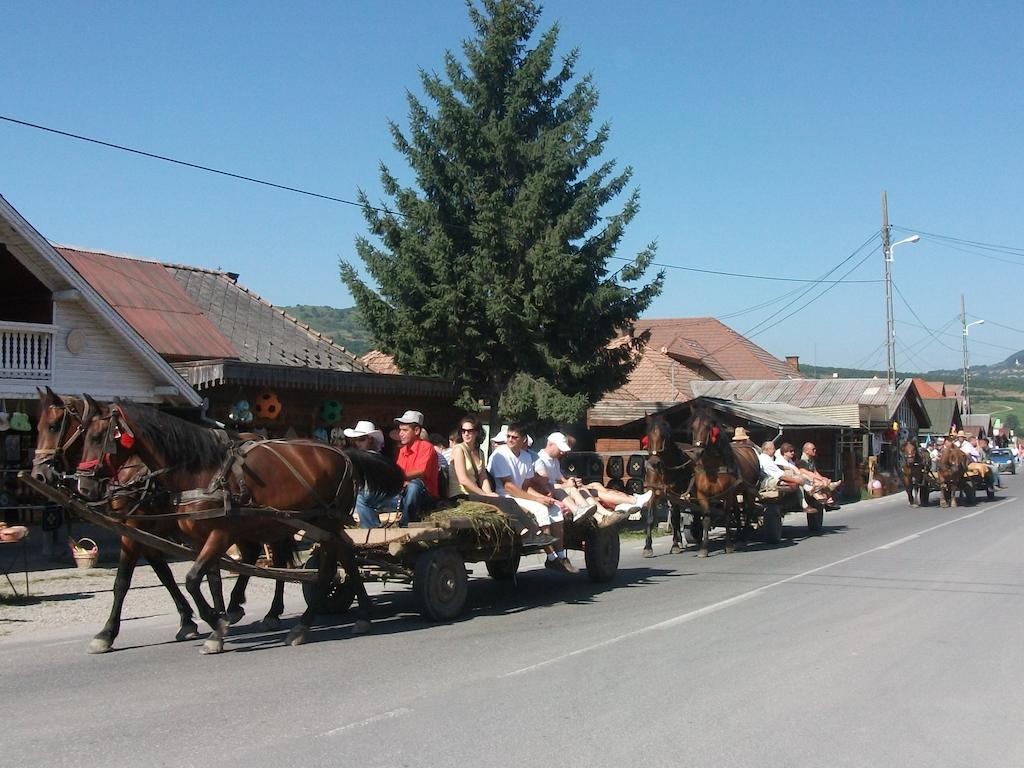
892, 639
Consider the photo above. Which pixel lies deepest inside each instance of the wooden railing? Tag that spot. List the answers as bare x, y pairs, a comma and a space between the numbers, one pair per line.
26, 351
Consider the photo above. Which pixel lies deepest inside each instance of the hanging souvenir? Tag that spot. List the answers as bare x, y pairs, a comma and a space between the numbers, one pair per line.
330, 411
320, 433
19, 421
240, 412
268, 406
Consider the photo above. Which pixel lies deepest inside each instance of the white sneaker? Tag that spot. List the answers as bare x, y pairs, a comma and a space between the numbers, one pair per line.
643, 498
584, 511
635, 516
625, 507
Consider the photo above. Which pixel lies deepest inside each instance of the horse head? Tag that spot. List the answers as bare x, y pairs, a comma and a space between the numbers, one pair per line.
59, 433
109, 443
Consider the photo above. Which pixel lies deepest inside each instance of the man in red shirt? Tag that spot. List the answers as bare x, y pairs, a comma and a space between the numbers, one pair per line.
418, 459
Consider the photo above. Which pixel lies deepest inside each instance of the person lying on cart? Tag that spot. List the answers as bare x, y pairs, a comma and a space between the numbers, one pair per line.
366, 437
572, 493
418, 460
513, 477
469, 480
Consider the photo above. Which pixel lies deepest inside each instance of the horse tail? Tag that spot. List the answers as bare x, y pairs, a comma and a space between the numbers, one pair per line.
376, 473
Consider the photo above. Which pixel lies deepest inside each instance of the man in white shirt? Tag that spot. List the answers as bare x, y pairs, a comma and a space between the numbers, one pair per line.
513, 473
774, 477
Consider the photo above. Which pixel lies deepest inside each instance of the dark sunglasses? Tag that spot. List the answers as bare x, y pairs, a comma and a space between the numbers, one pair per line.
468, 431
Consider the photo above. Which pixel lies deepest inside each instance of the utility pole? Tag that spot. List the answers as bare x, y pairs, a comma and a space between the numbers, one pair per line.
890, 333
964, 325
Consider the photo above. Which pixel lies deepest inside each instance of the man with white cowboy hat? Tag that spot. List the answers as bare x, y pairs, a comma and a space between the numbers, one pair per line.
418, 460
366, 437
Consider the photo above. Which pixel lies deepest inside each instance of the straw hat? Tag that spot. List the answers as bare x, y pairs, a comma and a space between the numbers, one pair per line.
740, 435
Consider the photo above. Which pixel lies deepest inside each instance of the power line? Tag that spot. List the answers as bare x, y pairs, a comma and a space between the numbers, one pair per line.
993, 322
919, 320
749, 334
1012, 250
748, 276
198, 167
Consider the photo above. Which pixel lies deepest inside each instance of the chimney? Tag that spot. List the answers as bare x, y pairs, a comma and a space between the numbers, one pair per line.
793, 361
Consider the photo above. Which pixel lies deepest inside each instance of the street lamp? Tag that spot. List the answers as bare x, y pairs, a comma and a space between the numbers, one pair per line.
967, 365
890, 330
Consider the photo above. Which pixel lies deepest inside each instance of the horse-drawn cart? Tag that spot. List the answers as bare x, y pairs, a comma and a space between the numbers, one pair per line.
431, 555
768, 512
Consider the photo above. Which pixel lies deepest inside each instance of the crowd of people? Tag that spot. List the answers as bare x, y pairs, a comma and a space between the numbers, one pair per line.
528, 487
977, 449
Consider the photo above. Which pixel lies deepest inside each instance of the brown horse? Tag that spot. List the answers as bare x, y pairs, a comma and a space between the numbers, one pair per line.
669, 474
952, 468
916, 468
238, 492
58, 453
722, 471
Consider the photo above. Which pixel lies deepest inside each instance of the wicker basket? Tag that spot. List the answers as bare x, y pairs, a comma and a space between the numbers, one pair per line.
84, 554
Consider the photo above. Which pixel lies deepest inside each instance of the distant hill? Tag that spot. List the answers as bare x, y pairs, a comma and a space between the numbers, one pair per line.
343, 326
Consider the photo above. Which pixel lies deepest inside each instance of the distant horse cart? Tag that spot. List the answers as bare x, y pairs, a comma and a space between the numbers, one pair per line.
713, 484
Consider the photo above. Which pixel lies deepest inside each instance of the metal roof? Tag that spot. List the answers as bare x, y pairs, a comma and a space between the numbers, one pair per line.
153, 303
775, 415
944, 412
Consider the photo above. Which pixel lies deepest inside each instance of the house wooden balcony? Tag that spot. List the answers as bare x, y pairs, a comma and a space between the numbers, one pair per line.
26, 352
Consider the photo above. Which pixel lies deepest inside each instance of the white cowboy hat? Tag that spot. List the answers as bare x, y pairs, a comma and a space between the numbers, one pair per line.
739, 435
501, 437
366, 428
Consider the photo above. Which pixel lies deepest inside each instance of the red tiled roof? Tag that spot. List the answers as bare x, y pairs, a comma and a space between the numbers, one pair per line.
380, 362
153, 303
680, 350
925, 389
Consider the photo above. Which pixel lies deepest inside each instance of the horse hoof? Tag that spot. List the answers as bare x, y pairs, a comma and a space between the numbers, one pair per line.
676, 549
98, 645
212, 646
273, 623
187, 631
362, 627
297, 635
234, 615
702, 553
648, 553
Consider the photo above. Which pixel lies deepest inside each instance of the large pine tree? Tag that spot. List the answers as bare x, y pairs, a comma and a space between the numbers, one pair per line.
496, 266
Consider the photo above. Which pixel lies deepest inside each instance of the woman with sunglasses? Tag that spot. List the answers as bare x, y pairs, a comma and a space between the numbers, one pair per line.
469, 480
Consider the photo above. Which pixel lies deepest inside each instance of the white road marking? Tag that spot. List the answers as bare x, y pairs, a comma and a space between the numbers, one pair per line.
691, 615
390, 715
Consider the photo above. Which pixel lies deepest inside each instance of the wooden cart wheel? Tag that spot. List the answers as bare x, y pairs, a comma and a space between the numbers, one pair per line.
339, 597
440, 584
773, 524
602, 554
969, 492
815, 520
503, 569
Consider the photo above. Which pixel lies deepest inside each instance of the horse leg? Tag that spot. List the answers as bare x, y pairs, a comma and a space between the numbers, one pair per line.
104, 639
187, 629
730, 512
675, 525
210, 552
705, 509
648, 529
235, 610
281, 554
909, 486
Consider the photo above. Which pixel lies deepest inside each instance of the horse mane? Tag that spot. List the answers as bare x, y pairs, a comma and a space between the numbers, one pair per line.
181, 443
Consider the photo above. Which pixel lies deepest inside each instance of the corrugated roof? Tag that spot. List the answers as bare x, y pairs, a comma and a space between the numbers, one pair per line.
153, 303
943, 413
775, 415
615, 413
260, 332
871, 396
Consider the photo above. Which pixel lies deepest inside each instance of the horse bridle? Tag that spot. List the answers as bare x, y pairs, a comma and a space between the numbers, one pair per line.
50, 456
117, 433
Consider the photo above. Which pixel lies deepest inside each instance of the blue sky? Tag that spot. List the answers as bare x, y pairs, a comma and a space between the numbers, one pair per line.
761, 137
